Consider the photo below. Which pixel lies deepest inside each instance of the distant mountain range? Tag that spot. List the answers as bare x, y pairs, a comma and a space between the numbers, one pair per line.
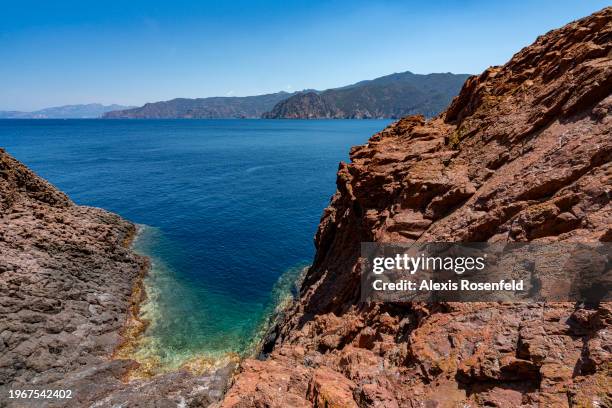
204, 108
391, 96
85, 111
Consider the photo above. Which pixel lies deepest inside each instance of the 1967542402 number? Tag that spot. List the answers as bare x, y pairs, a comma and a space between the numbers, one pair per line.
40, 394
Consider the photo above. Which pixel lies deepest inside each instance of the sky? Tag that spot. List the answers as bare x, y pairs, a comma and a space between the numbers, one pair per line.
132, 52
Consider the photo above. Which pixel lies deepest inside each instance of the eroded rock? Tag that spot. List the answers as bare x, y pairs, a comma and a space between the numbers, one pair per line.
522, 154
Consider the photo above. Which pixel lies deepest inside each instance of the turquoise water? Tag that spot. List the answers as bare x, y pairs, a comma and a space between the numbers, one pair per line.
227, 207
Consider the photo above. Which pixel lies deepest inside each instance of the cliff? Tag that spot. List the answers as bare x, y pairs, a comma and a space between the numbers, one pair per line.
69, 292
521, 154
391, 96
203, 108
66, 279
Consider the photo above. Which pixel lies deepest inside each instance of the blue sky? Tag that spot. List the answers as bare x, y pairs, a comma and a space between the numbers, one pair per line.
131, 52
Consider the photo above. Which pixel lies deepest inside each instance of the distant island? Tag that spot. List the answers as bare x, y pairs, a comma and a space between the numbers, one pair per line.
83, 111
392, 96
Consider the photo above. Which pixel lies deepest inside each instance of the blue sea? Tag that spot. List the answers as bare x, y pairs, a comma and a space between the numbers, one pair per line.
227, 211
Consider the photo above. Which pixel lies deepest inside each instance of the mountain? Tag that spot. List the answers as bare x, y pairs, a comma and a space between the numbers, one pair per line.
203, 108
523, 153
87, 111
391, 96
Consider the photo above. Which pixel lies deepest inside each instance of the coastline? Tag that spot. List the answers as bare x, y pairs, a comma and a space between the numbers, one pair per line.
134, 326
68, 283
198, 307
522, 154
284, 299
134, 347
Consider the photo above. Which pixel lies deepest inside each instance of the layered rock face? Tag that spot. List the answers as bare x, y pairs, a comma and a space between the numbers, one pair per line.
522, 154
68, 282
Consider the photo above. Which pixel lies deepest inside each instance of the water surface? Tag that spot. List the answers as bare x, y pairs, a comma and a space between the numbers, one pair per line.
228, 206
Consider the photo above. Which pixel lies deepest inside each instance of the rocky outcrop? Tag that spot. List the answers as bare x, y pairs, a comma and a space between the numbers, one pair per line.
391, 96
523, 153
66, 278
69, 288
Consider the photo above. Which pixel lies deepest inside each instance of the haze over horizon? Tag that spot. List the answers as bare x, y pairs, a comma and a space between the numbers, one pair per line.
68, 52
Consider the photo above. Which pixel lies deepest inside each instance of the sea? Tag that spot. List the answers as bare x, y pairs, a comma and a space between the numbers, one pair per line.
226, 209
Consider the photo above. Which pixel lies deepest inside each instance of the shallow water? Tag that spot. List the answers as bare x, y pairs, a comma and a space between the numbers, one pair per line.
227, 207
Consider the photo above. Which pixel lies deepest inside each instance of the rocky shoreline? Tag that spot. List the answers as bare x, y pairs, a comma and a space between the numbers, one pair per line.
134, 325
67, 278
71, 288
522, 154
70, 291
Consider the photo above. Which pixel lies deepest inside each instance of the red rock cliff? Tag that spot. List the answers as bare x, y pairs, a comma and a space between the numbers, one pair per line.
522, 154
